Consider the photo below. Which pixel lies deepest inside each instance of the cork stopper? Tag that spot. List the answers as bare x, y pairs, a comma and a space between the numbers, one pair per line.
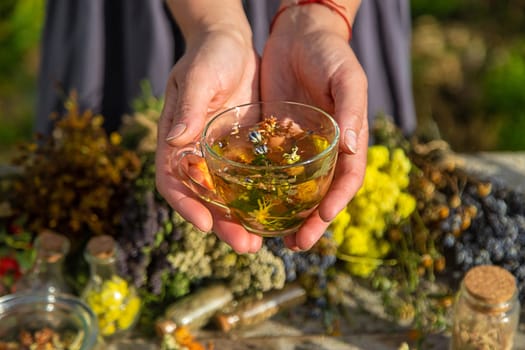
226, 322
165, 327
101, 247
490, 284
52, 246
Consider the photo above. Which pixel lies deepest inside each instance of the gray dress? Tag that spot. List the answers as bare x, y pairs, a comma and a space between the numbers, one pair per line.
103, 50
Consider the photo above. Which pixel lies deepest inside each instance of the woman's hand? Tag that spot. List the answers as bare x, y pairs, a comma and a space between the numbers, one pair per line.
218, 70
308, 59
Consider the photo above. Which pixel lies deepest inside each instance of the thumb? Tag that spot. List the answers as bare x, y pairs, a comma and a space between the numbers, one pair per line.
350, 99
186, 109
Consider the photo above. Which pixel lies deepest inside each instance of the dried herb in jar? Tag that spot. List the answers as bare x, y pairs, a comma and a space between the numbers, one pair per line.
112, 298
44, 339
195, 310
251, 311
486, 313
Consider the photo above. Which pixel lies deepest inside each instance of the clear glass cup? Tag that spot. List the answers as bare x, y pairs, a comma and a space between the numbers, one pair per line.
268, 164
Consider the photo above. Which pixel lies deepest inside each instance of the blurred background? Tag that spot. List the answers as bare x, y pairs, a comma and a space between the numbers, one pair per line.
468, 61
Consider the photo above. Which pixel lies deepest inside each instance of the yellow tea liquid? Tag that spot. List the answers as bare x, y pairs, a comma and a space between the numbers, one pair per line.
285, 187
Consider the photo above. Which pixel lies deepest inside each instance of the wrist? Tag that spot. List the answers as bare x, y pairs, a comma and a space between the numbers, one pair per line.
242, 36
306, 16
198, 19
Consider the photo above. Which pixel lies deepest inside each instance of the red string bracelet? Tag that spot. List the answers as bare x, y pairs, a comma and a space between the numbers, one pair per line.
332, 5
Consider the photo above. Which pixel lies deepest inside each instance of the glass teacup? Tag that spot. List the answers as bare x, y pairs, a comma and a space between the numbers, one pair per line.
268, 164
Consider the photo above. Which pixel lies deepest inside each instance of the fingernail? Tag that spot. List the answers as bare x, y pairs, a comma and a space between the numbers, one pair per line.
326, 219
296, 249
176, 132
350, 140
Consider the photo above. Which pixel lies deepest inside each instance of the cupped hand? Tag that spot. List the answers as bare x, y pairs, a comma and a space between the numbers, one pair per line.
319, 68
218, 70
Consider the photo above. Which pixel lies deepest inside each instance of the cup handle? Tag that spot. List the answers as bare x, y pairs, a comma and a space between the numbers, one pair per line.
189, 166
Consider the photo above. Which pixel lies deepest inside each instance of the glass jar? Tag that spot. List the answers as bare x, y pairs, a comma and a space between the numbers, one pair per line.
250, 311
114, 301
195, 310
35, 320
486, 312
46, 275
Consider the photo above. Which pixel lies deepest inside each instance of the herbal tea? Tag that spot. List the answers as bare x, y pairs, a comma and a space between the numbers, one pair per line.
266, 163
289, 180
